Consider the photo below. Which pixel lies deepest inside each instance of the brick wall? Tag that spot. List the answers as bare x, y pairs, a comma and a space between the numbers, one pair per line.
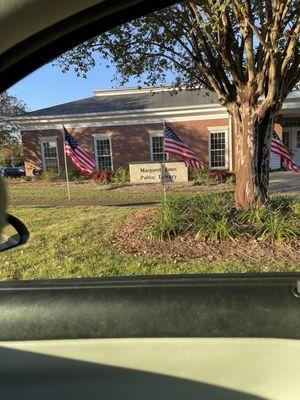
130, 143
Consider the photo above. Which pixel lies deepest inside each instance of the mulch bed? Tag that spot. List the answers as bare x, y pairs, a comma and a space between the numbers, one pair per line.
131, 237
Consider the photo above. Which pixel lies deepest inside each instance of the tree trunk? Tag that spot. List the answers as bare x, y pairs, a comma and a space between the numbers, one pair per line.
252, 153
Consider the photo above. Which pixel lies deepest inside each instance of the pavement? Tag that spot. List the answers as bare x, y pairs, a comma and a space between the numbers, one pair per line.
285, 182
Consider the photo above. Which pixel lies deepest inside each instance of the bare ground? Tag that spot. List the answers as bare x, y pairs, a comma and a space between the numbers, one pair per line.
132, 238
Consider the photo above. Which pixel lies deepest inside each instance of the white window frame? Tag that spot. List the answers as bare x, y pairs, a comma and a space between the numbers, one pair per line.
219, 129
103, 137
152, 134
45, 140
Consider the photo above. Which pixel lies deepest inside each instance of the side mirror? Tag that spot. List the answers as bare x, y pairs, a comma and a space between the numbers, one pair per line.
13, 232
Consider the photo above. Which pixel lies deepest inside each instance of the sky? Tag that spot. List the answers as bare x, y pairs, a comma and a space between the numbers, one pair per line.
48, 86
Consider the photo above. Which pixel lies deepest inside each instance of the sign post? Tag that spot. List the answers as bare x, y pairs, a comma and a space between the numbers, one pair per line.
66, 165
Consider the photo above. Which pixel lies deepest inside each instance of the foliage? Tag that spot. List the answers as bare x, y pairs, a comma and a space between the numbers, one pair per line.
206, 177
103, 177
241, 50
10, 107
11, 152
27, 178
276, 221
214, 218
48, 176
61, 246
201, 177
220, 45
171, 220
121, 175
223, 176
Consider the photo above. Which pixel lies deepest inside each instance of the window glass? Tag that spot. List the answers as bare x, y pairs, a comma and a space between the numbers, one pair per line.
157, 151
50, 156
104, 155
218, 149
291, 122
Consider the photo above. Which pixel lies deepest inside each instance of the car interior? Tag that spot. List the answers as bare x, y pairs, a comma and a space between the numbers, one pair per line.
223, 336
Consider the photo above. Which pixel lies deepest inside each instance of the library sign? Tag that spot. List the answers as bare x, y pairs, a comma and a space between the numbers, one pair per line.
156, 172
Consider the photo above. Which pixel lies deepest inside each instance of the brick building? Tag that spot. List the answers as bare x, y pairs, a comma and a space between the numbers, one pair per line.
120, 126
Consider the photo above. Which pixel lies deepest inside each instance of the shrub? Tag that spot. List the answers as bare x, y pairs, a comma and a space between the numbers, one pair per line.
275, 221
48, 176
222, 176
171, 220
103, 177
201, 177
213, 217
27, 178
121, 175
276, 227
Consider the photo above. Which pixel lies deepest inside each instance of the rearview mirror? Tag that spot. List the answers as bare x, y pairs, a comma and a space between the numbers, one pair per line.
14, 233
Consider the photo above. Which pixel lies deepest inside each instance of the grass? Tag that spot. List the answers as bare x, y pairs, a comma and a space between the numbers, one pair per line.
57, 191
77, 242
213, 217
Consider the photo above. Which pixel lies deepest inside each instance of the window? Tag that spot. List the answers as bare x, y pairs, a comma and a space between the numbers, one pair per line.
50, 154
157, 147
218, 150
298, 140
291, 122
103, 153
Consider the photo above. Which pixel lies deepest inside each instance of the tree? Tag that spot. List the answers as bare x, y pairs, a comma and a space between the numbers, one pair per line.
246, 51
11, 152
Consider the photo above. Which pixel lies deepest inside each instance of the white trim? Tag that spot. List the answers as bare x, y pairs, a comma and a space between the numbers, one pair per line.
129, 113
152, 134
114, 122
230, 143
46, 139
103, 137
135, 90
217, 129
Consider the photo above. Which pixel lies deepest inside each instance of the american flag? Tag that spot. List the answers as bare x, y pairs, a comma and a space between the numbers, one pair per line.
277, 147
80, 158
175, 145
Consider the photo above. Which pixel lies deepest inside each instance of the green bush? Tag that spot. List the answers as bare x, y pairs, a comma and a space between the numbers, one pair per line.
48, 176
121, 175
214, 218
27, 178
202, 177
277, 227
171, 220
276, 221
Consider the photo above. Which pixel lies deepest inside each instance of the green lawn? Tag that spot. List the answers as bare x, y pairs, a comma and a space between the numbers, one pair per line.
57, 191
43, 192
77, 242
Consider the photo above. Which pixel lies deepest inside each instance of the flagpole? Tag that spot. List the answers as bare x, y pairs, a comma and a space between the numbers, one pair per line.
164, 165
66, 164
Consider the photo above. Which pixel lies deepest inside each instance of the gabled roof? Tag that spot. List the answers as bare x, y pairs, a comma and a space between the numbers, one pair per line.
109, 101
